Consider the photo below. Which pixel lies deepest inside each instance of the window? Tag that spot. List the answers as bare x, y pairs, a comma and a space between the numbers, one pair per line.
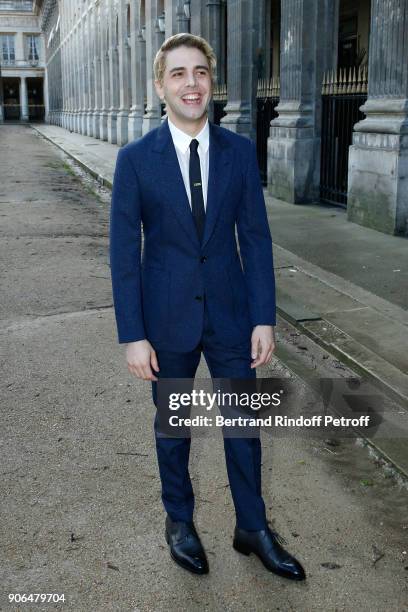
32, 47
7, 48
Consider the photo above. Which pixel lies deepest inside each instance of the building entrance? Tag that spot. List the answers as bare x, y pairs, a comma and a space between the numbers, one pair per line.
35, 93
11, 99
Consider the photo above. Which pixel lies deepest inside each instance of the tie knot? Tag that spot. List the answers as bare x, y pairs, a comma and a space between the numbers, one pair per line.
194, 145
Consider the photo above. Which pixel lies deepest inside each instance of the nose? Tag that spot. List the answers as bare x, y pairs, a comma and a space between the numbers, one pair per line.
191, 79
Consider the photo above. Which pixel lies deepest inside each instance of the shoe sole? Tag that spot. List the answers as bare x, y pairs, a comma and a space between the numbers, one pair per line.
245, 551
188, 568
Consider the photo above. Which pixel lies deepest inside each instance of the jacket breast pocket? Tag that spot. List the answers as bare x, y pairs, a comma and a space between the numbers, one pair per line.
155, 295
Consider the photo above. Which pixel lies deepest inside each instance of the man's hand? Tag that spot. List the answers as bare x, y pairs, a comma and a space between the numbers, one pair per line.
141, 359
262, 344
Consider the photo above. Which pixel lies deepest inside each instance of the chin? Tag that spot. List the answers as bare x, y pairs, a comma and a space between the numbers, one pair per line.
193, 115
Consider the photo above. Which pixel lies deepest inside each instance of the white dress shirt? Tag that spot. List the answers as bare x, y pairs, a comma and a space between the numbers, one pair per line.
182, 142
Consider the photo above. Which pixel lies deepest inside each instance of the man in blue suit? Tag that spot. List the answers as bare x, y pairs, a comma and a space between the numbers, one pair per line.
190, 184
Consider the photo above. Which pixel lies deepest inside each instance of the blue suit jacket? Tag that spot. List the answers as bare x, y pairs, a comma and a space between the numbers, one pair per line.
158, 294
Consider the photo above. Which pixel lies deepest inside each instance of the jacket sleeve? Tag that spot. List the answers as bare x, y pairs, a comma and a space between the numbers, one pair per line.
125, 251
255, 244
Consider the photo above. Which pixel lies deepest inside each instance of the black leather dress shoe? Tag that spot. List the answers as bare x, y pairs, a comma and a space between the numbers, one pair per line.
266, 544
185, 546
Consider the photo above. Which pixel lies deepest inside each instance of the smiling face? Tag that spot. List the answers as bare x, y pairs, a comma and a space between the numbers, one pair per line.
186, 88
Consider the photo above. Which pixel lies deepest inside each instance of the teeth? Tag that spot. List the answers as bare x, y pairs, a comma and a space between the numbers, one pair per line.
191, 98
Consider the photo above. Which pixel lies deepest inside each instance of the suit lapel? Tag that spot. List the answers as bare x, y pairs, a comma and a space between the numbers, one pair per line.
173, 185
220, 163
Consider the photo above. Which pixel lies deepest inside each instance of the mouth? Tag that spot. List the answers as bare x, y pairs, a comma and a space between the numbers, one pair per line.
192, 99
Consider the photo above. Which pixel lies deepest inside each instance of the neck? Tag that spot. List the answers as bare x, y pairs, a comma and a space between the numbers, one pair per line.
192, 128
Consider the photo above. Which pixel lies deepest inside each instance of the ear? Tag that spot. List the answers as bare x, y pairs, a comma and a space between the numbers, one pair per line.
159, 89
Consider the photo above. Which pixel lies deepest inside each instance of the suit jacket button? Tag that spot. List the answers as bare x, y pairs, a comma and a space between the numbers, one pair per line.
199, 298
203, 259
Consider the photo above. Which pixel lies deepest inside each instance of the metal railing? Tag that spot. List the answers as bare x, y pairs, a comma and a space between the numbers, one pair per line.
342, 95
267, 98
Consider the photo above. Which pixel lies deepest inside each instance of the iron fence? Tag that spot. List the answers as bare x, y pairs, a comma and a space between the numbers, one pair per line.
342, 96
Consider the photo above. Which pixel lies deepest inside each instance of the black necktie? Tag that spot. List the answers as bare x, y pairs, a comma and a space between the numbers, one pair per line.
196, 190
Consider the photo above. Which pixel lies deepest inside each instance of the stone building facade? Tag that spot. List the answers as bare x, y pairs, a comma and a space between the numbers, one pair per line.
22, 62
100, 83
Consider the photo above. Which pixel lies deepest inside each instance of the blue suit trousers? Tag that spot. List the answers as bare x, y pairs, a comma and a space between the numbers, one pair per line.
243, 455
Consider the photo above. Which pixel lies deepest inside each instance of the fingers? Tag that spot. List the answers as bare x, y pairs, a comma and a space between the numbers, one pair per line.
142, 371
254, 347
153, 361
265, 355
141, 365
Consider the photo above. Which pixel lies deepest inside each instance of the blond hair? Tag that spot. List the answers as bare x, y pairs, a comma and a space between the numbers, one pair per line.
186, 40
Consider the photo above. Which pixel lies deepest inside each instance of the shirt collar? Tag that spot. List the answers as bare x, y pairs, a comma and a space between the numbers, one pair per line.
182, 140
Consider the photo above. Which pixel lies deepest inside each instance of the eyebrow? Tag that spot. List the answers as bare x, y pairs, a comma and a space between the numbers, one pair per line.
183, 68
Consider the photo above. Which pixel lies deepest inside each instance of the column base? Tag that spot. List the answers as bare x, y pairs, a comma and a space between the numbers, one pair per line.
151, 120
82, 123
135, 126
112, 127
378, 182
122, 127
293, 174
103, 125
89, 123
238, 122
95, 124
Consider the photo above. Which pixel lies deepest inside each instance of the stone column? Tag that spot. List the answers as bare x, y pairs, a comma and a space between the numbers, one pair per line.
105, 88
214, 26
74, 78
214, 34
183, 23
154, 39
66, 29
46, 97
68, 26
124, 76
241, 83
113, 75
378, 159
82, 94
96, 114
85, 43
197, 25
63, 108
91, 70
138, 71
170, 8
77, 102
23, 99
294, 143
